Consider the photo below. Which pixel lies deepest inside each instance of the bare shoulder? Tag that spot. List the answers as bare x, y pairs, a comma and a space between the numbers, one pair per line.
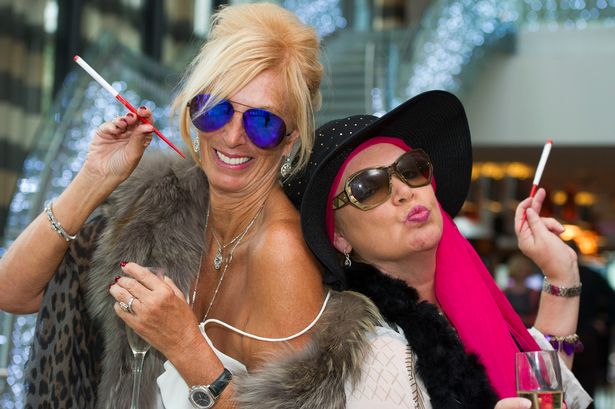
281, 255
284, 277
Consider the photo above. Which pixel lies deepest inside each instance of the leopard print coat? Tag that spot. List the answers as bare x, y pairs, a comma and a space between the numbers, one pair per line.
64, 365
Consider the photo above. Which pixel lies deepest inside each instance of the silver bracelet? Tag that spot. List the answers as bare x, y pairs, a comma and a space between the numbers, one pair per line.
549, 288
56, 226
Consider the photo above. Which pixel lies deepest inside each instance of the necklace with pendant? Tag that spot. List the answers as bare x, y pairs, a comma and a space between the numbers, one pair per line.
227, 262
218, 258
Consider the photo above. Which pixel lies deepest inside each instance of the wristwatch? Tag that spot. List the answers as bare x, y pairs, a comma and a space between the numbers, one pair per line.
205, 396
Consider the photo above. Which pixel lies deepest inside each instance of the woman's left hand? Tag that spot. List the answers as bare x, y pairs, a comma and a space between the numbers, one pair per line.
539, 239
161, 315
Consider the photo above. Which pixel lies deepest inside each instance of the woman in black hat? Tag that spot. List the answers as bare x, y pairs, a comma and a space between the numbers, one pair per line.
377, 201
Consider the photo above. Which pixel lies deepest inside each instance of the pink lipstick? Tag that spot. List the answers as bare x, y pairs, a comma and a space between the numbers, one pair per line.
418, 214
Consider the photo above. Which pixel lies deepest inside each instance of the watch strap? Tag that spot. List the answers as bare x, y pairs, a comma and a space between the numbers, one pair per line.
217, 386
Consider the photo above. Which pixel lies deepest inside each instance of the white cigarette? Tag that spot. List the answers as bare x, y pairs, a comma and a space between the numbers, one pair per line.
543, 161
95, 75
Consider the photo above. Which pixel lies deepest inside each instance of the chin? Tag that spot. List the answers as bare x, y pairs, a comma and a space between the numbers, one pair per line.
426, 242
226, 182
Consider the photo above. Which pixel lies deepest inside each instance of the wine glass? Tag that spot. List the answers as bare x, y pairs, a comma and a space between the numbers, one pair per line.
539, 379
139, 349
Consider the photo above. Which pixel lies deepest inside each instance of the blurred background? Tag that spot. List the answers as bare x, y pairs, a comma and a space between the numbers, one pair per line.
526, 71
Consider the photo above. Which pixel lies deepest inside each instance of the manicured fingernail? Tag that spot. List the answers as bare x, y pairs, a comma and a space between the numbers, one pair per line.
130, 114
116, 278
142, 107
123, 263
111, 284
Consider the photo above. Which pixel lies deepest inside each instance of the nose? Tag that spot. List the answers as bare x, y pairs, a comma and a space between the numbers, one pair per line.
400, 192
234, 134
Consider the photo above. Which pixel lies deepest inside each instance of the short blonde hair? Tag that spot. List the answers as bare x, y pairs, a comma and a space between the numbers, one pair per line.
245, 40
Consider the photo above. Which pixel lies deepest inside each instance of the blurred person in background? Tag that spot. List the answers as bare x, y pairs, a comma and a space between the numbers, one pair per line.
523, 299
596, 325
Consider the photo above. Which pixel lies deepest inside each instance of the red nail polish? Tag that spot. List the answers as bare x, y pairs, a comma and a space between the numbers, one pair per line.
116, 278
142, 107
130, 114
111, 284
123, 263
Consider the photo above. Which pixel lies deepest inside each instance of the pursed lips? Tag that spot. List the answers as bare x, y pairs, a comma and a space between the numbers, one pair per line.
418, 214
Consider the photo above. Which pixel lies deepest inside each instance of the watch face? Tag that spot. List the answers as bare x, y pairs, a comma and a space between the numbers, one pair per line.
201, 398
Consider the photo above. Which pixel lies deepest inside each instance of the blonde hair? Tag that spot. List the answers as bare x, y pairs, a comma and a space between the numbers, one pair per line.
245, 40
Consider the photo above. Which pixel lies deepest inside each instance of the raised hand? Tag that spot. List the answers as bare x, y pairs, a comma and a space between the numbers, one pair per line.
539, 239
117, 147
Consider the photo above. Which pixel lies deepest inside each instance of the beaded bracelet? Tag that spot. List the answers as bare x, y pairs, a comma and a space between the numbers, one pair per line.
56, 226
568, 343
549, 288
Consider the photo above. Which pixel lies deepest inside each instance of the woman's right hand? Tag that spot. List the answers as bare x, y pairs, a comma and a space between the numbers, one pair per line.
514, 403
117, 148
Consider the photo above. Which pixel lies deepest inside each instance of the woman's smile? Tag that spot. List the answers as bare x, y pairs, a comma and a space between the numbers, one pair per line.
232, 161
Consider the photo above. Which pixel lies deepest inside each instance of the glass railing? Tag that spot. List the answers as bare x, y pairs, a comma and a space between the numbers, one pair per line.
456, 35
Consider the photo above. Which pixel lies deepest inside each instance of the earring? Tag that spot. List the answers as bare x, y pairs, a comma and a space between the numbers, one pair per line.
196, 144
286, 167
347, 261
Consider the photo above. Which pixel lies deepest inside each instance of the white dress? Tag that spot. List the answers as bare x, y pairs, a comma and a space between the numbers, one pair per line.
174, 390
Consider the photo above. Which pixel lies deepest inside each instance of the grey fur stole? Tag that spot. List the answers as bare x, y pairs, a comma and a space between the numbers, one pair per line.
155, 218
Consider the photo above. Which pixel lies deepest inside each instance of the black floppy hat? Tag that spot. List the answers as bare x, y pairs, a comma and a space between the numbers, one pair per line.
434, 121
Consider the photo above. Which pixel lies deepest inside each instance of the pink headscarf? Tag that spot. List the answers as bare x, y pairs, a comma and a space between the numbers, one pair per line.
482, 316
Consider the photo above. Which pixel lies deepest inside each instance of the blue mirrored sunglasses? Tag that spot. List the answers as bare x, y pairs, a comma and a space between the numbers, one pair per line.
266, 130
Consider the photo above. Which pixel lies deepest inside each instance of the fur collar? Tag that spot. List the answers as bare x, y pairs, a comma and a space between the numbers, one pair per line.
452, 377
316, 376
155, 218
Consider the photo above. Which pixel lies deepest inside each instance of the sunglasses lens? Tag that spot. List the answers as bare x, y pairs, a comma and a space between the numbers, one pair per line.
415, 168
265, 130
370, 187
213, 119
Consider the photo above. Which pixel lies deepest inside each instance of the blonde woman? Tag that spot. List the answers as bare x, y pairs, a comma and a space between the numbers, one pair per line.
238, 278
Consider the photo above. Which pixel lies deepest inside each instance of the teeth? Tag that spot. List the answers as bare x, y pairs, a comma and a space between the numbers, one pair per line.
231, 161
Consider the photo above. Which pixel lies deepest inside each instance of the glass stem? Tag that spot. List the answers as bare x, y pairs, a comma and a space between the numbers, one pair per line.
137, 369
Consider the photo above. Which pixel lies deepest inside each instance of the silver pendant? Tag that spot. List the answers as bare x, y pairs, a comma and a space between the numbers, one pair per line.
218, 259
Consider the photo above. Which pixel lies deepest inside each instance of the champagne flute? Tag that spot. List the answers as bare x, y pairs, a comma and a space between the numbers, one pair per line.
539, 379
139, 349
